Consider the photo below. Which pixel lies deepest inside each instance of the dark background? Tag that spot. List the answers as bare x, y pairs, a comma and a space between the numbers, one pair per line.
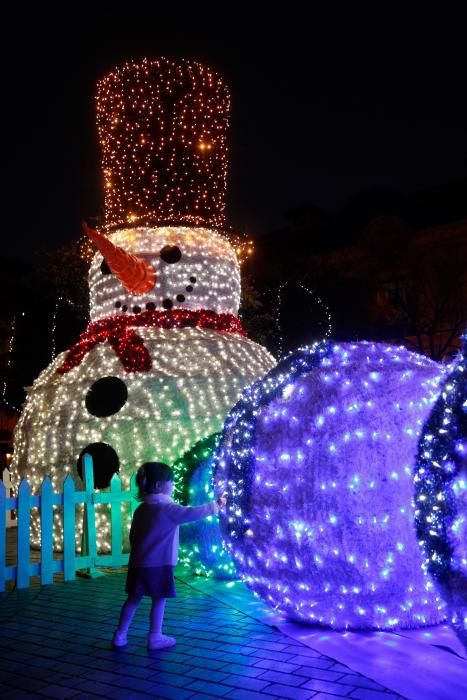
324, 107
336, 119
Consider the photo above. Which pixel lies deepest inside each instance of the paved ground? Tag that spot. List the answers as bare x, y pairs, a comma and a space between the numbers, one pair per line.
55, 644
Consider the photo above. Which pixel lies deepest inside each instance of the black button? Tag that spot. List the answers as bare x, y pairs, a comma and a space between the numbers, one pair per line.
171, 254
106, 396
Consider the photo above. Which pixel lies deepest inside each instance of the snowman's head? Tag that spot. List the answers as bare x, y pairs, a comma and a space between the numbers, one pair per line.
195, 269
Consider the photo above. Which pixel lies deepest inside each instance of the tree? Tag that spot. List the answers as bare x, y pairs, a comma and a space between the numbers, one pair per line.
255, 315
428, 295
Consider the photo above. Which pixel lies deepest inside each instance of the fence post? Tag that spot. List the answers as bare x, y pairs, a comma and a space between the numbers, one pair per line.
116, 526
47, 543
134, 503
6, 478
23, 556
69, 499
69, 546
89, 524
2, 535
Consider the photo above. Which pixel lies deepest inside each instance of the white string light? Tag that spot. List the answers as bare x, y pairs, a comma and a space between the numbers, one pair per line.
9, 363
316, 298
60, 300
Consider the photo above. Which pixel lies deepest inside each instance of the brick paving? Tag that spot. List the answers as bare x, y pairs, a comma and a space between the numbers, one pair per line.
55, 643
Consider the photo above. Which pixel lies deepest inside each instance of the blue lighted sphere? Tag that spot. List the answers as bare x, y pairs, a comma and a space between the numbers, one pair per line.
201, 541
441, 492
318, 459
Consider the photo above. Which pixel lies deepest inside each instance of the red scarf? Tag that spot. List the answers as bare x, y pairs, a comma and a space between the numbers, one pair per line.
129, 346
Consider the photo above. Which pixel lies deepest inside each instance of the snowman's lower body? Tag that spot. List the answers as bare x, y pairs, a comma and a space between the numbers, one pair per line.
196, 377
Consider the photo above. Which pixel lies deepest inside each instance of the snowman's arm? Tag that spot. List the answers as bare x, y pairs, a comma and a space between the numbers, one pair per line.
187, 514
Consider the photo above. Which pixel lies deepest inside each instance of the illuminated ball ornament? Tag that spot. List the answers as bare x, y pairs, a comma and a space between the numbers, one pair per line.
201, 550
318, 459
441, 492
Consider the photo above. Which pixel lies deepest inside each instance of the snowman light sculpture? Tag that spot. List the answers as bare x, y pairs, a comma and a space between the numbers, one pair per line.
164, 357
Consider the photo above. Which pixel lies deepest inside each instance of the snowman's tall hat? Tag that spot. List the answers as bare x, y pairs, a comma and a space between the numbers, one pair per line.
163, 131
135, 274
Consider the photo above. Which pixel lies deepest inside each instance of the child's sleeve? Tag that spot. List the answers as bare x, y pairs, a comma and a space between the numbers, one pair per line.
187, 514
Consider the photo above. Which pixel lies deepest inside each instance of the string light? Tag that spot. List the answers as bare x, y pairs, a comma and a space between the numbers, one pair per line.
60, 300
201, 550
277, 316
244, 247
325, 308
9, 362
205, 276
129, 346
154, 373
441, 492
163, 132
278, 313
185, 466
86, 249
317, 459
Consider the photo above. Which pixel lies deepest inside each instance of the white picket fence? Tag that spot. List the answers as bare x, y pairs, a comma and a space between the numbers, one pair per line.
45, 500
7, 483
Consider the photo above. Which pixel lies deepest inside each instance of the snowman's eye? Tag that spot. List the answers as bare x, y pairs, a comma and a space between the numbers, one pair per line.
171, 254
105, 269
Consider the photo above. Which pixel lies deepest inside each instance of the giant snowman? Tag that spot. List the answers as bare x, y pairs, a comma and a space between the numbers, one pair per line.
164, 357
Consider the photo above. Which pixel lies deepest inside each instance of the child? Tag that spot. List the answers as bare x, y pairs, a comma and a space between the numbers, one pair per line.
154, 549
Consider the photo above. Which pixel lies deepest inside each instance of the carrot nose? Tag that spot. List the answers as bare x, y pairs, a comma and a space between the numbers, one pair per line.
135, 274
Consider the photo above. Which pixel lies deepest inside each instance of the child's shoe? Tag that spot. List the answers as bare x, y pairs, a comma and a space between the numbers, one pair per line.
119, 639
160, 641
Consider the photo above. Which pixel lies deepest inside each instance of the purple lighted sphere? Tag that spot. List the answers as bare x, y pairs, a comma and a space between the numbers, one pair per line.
318, 463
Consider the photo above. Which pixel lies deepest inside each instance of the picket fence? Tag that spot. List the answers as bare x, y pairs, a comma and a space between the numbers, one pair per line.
71, 562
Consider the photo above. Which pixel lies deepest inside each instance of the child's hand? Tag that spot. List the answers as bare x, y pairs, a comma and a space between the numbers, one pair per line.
222, 500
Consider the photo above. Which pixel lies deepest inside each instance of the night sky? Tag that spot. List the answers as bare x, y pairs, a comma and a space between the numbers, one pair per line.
323, 108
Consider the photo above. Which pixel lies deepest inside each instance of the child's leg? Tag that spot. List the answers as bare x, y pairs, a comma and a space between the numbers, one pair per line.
157, 640
130, 606
157, 615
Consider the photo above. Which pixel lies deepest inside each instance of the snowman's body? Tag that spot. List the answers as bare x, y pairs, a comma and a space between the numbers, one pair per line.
154, 373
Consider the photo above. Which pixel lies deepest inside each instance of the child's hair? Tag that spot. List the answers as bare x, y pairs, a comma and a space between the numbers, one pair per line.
149, 474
